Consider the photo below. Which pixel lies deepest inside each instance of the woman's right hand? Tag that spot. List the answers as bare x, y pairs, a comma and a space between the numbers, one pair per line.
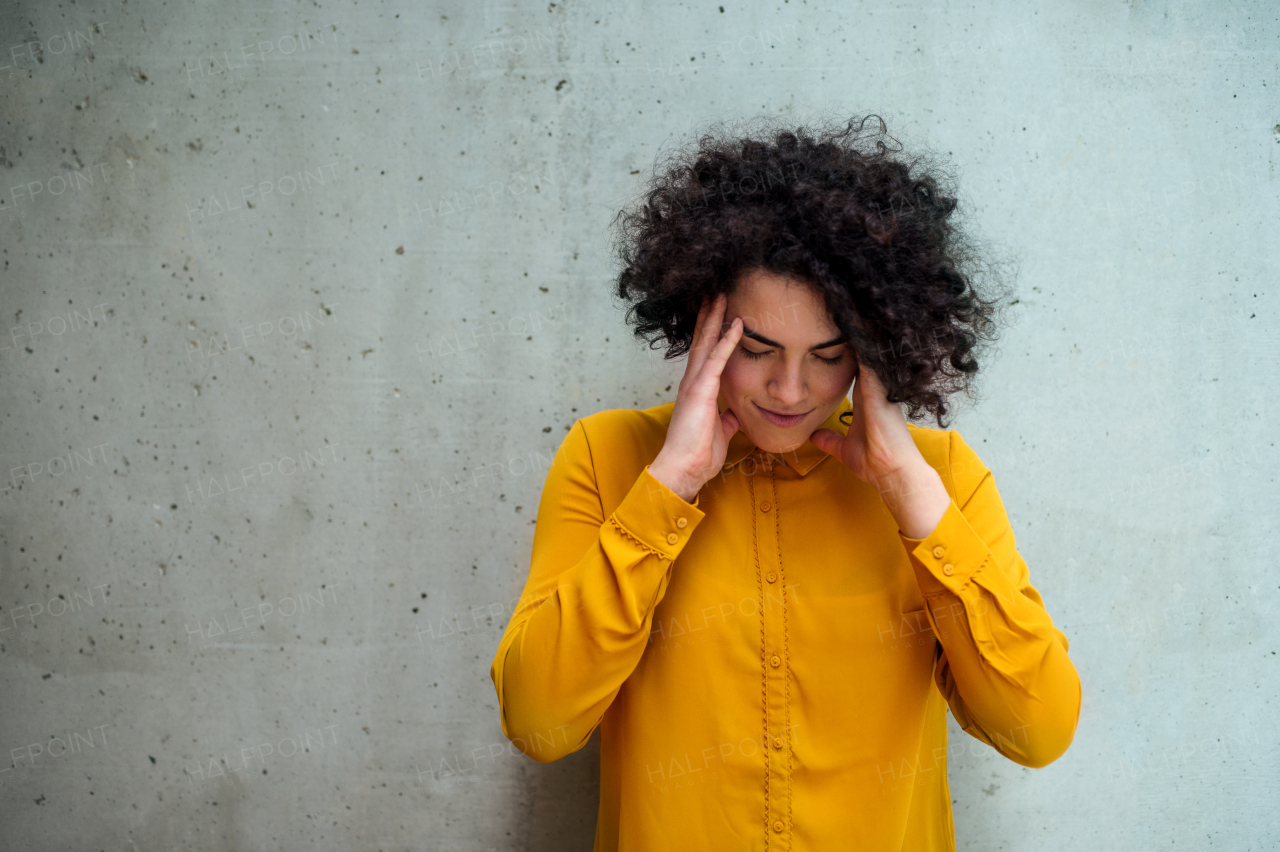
698, 435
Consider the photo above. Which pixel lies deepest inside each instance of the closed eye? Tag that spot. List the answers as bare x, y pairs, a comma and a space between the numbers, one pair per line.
757, 355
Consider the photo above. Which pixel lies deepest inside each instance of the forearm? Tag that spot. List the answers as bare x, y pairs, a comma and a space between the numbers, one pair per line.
1004, 669
579, 633
1012, 685
564, 662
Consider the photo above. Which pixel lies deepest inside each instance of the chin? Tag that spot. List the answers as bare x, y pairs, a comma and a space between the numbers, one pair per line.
771, 439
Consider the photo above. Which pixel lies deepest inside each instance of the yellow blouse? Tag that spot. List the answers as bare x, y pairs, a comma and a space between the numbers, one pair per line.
770, 665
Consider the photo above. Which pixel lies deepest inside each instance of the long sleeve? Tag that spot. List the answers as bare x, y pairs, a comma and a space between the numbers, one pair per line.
583, 620
1003, 666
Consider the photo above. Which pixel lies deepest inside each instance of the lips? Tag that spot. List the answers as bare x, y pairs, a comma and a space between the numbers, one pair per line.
782, 421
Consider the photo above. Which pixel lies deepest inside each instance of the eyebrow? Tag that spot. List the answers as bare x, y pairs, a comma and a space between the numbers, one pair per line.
755, 335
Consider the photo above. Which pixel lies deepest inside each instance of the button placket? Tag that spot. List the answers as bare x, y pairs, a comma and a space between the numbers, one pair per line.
771, 581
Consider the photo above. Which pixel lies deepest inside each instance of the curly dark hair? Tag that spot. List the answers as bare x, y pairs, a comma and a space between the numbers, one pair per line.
835, 208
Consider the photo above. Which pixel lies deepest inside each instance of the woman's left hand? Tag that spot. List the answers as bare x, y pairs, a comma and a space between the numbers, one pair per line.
879, 450
879, 444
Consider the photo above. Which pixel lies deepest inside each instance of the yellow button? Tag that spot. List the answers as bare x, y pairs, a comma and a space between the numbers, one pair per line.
938, 551
682, 523
777, 827
775, 661
764, 507
948, 569
673, 538
771, 577
777, 742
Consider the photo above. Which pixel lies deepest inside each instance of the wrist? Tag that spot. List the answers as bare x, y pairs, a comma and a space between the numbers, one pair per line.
680, 484
916, 498
904, 479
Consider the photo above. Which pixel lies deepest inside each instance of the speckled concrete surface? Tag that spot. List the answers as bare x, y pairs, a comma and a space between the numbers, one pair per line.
300, 299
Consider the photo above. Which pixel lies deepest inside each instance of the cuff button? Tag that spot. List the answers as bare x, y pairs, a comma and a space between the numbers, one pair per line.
948, 569
938, 551
672, 538
682, 522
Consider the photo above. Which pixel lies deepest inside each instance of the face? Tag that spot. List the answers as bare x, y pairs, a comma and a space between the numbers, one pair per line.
791, 369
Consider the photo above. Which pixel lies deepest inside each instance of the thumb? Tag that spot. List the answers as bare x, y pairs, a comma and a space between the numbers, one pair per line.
826, 440
729, 424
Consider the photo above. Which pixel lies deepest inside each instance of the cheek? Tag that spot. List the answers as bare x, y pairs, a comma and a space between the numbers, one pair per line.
739, 378
834, 384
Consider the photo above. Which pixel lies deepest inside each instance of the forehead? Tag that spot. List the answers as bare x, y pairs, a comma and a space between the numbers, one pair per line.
784, 308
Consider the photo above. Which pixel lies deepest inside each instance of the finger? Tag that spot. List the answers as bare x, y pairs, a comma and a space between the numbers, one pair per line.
729, 423
728, 427
705, 337
703, 307
875, 389
856, 403
857, 406
694, 361
716, 359
826, 440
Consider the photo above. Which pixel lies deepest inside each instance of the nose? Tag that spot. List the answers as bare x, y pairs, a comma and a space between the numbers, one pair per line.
788, 385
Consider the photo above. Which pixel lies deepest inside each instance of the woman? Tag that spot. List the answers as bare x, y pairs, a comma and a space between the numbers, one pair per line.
766, 594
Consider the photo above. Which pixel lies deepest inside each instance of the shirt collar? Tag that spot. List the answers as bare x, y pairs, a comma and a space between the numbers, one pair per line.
802, 459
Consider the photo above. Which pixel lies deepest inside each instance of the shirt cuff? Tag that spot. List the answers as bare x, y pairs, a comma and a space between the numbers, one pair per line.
949, 557
656, 517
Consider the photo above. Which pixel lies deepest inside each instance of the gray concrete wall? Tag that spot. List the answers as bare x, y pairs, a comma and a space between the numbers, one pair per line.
343, 258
